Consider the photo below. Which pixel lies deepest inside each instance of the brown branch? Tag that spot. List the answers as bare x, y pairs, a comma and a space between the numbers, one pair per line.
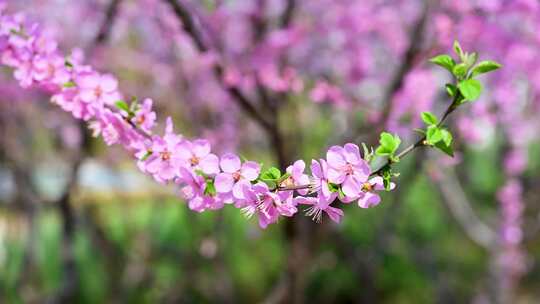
409, 60
459, 206
107, 25
288, 14
183, 14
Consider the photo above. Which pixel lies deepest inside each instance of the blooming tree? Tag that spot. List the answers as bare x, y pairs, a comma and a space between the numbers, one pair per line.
257, 56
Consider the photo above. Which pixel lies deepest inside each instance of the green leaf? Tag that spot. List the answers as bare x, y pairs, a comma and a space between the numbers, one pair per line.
69, 84
447, 149
433, 135
460, 70
470, 59
134, 105
458, 49
382, 151
451, 89
333, 187
210, 188
387, 177
388, 143
341, 194
146, 155
429, 118
272, 174
485, 67
368, 154
122, 105
470, 89
68, 63
270, 183
446, 137
444, 60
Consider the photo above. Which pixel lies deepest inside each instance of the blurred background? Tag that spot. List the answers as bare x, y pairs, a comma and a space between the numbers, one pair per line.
80, 224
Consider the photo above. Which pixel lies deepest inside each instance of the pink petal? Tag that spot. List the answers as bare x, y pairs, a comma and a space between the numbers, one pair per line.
210, 164
224, 182
379, 184
369, 200
152, 164
201, 147
87, 95
316, 169
108, 83
335, 176
167, 171
169, 125
325, 190
301, 200
298, 169
230, 163
350, 187
147, 105
250, 170
238, 188
248, 192
88, 81
335, 157
335, 214
184, 150
352, 153
362, 171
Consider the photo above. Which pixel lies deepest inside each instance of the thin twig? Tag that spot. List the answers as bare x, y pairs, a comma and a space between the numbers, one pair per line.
183, 14
459, 206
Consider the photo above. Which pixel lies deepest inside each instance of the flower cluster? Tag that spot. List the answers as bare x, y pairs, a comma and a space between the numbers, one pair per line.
205, 180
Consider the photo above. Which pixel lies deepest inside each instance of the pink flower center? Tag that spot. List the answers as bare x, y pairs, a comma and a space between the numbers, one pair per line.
348, 168
141, 119
50, 70
98, 91
367, 187
194, 161
236, 176
165, 155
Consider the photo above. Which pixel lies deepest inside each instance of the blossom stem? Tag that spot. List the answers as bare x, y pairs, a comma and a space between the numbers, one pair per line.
421, 142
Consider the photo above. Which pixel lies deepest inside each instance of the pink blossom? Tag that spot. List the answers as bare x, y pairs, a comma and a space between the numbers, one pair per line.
234, 174
347, 168
145, 118
319, 205
298, 177
320, 177
368, 197
197, 156
267, 205
193, 187
165, 159
94, 87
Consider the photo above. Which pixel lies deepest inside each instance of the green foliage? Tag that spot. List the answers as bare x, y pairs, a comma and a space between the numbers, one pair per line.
272, 177
429, 118
69, 84
451, 89
388, 145
122, 105
433, 134
210, 188
460, 70
445, 61
440, 138
485, 67
470, 89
